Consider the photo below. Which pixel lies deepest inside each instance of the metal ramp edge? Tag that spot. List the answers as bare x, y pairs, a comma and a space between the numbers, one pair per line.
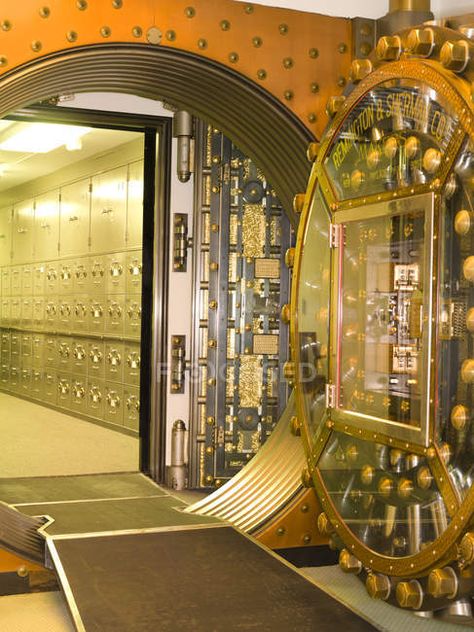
20, 534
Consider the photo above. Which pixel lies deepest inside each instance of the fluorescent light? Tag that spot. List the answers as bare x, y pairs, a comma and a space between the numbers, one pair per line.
41, 138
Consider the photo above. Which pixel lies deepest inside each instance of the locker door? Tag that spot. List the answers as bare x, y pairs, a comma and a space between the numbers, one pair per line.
23, 232
74, 219
5, 235
109, 210
135, 205
6, 281
131, 397
47, 226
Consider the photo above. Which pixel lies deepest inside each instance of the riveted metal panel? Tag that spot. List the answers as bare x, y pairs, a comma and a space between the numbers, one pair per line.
23, 232
38, 312
64, 354
131, 365
115, 273
50, 352
79, 393
81, 276
81, 313
64, 385
47, 226
97, 308
114, 317
38, 344
50, 387
131, 412
39, 279
95, 359
114, 403
5, 235
133, 316
36, 383
95, 397
15, 280
97, 280
114, 359
109, 210
66, 273
51, 313
65, 313
74, 219
79, 356
52, 278
135, 204
27, 311
133, 272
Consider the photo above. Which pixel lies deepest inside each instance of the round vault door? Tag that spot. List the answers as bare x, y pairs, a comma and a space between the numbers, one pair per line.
382, 315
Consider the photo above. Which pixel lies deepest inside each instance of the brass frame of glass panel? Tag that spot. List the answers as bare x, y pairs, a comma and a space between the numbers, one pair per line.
457, 93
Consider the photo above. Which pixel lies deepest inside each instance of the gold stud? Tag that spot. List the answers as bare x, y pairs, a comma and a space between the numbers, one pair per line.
334, 105
6, 25
171, 35
463, 222
412, 147
431, 159
445, 452
71, 36
459, 415
213, 266
466, 548
409, 594
312, 118
314, 87
289, 371
36, 46
424, 477
257, 41
313, 53
470, 320
360, 68
298, 202
385, 486
367, 474
212, 344
421, 42
225, 25
405, 488
455, 55
467, 371
248, 9
468, 268
202, 43
288, 94
357, 179
213, 304
290, 257
390, 147
283, 29
45, 12
285, 313
106, 31
262, 74
117, 4
349, 563
378, 586
313, 151
389, 48
443, 582
373, 159
82, 5
288, 63
209, 450
3, 61
190, 12
233, 58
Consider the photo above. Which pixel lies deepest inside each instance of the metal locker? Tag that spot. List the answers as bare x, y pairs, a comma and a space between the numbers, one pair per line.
38, 312
5, 315
74, 219
6, 281
95, 397
14, 378
47, 226
39, 278
66, 275
131, 411
114, 361
114, 315
5, 235
51, 313
97, 307
133, 272
15, 311
79, 394
51, 278
135, 204
131, 365
115, 267
97, 280
5, 376
109, 210
133, 316
50, 352
27, 279
95, 359
38, 344
23, 232
25, 381
26, 350
64, 351
36, 383
64, 390
79, 357
65, 314
50, 387
6, 344
113, 410
15, 347
81, 276
15, 280
27, 311
81, 313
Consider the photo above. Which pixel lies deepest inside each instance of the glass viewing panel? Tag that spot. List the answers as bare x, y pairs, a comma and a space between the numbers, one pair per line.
395, 137
383, 338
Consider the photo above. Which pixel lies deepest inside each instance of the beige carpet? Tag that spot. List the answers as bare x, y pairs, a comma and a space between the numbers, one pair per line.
37, 441
42, 612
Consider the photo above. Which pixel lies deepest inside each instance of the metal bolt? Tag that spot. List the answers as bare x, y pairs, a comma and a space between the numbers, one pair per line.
342, 48
71, 36
137, 31
190, 12
314, 87
455, 55
307, 538
117, 4
82, 5
313, 53
312, 117
3, 60
225, 25
421, 42
443, 582
283, 28
360, 68
298, 202
262, 74
106, 31
45, 12
257, 41
288, 94
334, 104
349, 563
288, 63
389, 48
233, 58
313, 151
281, 531
378, 586
171, 36
202, 43
248, 9
6, 25
36, 46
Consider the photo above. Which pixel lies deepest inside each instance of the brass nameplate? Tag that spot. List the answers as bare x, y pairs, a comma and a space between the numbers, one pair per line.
265, 344
267, 268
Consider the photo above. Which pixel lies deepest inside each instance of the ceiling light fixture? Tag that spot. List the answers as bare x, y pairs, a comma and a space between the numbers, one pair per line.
41, 138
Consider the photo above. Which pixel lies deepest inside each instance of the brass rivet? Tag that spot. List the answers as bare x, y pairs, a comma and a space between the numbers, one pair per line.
341, 82
106, 31
262, 74
257, 41
45, 12
81, 5
314, 87
3, 60
71, 36
342, 48
313, 53
233, 58
117, 4
248, 9
190, 12
225, 25
137, 31
312, 117
202, 43
288, 94
283, 29
288, 63
6, 25
171, 36
36, 46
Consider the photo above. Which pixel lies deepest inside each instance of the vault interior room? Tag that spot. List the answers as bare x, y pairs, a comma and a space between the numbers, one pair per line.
236, 316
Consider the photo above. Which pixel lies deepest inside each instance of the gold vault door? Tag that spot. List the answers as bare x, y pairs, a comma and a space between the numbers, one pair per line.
382, 316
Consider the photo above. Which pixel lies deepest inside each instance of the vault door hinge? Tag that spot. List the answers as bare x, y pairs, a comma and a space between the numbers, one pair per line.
335, 234
330, 395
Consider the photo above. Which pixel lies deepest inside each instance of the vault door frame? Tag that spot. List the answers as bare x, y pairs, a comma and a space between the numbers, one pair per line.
157, 133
